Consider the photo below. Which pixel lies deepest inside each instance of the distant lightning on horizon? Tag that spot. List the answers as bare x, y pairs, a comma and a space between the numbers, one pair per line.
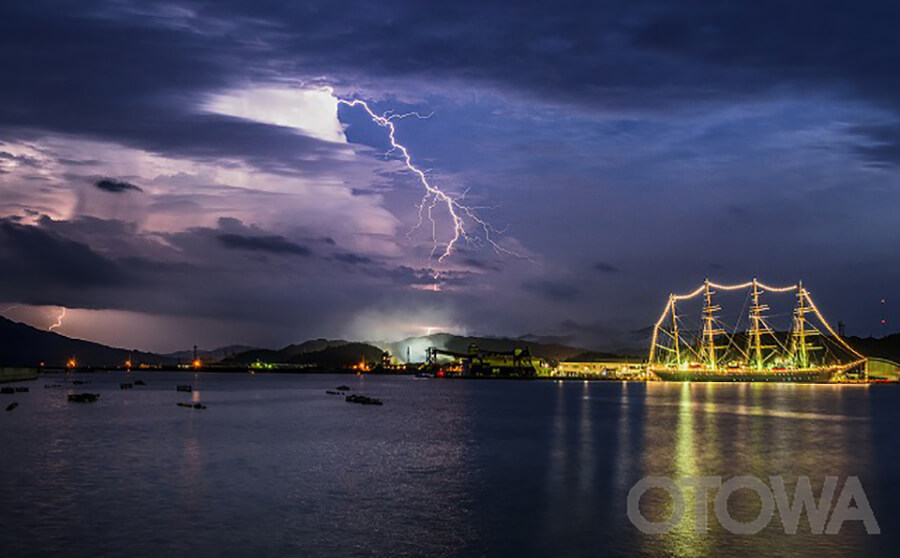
434, 196
59, 320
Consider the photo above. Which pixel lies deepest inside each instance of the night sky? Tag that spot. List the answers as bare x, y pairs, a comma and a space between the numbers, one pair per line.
182, 173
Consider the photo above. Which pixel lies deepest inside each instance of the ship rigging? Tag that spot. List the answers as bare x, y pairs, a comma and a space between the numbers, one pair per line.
808, 350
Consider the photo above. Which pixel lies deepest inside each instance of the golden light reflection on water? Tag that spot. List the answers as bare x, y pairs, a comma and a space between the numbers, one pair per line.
585, 443
722, 430
574, 457
558, 449
683, 540
623, 435
192, 491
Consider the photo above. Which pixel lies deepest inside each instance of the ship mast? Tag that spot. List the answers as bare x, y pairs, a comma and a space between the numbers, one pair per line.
675, 329
789, 355
801, 325
755, 315
709, 312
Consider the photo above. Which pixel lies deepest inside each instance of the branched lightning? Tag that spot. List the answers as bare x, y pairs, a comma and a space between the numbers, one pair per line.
59, 319
435, 198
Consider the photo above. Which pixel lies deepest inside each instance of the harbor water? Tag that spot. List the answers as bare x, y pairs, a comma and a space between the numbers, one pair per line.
275, 466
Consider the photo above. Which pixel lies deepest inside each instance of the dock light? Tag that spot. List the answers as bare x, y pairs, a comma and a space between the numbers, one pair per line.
197, 363
72, 363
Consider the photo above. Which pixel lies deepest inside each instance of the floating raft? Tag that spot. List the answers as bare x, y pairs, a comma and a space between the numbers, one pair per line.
191, 405
83, 397
362, 400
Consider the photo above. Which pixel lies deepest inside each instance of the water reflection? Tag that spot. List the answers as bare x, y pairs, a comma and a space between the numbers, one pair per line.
624, 449
586, 450
191, 485
558, 447
275, 466
759, 430
572, 463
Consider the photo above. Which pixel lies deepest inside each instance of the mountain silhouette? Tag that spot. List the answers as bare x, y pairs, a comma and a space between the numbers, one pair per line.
23, 345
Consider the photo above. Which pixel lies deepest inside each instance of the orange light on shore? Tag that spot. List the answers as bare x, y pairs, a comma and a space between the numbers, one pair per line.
72, 363
197, 363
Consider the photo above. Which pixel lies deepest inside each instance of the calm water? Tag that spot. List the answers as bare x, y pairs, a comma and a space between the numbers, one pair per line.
275, 466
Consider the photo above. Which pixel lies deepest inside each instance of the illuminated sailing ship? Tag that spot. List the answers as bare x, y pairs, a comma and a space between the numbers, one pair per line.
712, 351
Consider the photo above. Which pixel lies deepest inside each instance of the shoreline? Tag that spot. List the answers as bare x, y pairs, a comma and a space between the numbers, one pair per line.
17, 374
350, 372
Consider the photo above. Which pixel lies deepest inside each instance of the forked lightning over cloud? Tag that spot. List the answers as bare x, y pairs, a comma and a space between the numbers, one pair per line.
461, 216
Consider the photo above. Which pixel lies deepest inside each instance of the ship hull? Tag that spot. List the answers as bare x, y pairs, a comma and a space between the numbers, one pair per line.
814, 376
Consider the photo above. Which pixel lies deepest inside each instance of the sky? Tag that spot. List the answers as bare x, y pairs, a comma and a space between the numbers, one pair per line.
180, 173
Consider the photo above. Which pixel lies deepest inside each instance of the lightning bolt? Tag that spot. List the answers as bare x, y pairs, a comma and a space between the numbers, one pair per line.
461, 216
59, 319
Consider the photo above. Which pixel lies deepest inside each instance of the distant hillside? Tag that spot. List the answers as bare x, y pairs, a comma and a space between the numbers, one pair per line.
284, 355
338, 353
884, 347
605, 340
326, 353
341, 356
23, 345
596, 356
460, 344
312, 346
213, 355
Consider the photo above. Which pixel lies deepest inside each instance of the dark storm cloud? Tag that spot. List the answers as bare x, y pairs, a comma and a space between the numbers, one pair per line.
271, 244
364, 192
798, 41
184, 276
79, 162
191, 274
21, 159
352, 259
605, 267
30, 255
134, 75
847, 48
577, 50
552, 290
129, 75
597, 334
116, 186
475, 262
139, 82
879, 144
405, 276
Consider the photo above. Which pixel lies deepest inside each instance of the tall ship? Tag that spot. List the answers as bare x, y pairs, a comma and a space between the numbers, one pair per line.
704, 346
